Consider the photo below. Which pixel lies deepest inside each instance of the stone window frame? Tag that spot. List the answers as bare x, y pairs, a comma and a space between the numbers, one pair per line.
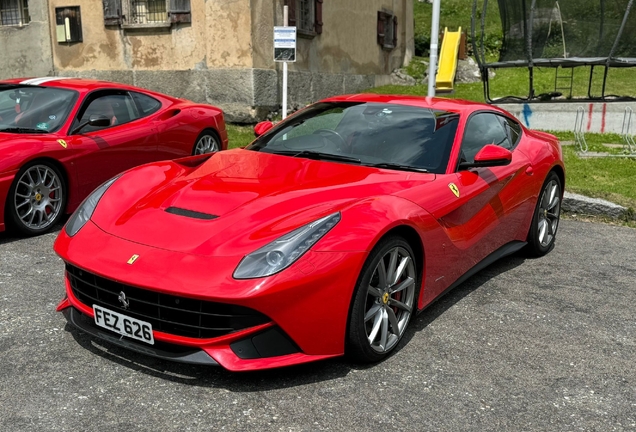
23, 17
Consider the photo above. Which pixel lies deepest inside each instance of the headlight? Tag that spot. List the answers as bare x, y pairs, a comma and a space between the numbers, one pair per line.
86, 209
284, 251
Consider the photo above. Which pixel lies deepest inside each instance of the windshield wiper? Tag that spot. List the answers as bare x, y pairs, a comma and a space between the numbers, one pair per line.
309, 154
397, 167
23, 130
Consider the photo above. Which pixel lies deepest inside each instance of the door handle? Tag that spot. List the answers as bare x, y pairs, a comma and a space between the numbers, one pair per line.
529, 170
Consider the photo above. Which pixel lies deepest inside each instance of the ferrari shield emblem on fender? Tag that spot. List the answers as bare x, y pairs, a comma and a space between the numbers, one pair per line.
133, 259
453, 187
62, 143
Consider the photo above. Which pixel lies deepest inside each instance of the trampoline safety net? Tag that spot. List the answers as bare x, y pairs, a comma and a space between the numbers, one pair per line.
563, 33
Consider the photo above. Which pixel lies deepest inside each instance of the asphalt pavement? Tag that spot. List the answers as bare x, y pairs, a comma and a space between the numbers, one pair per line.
543, 344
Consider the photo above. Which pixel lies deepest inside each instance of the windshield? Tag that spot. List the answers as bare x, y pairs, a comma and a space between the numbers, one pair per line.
373, 134
29, 109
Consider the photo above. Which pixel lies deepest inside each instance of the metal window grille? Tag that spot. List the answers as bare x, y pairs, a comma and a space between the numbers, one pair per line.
14, 12
148, 11
306, 15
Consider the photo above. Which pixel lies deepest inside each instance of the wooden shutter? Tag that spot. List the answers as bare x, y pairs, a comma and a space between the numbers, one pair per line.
112, 12
395, 31
381, 21
318, 15
180, 11
291, 12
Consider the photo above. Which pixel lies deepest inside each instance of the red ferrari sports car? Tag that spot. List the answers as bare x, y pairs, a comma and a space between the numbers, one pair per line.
323, 237
60, 138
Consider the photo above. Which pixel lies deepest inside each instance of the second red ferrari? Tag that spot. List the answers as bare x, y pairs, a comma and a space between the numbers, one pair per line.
60, 138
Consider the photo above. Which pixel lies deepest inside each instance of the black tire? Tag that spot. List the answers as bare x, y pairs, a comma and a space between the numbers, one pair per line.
39, 189
361, 340
208, 135
545, 221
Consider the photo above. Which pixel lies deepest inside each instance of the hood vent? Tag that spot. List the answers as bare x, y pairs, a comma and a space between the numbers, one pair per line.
190, 213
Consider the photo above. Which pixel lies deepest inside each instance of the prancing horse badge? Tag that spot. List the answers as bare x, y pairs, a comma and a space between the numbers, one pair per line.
453, 187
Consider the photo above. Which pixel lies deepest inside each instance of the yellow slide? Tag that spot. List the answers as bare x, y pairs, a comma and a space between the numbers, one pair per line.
448, 60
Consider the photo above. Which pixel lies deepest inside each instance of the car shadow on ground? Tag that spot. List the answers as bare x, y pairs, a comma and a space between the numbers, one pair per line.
210, 376
7, 237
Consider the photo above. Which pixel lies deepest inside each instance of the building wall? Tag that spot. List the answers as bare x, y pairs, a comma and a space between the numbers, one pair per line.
26, 50
224, 56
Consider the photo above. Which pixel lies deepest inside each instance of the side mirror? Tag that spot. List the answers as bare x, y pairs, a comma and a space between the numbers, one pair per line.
99, 120
96, 120
489, 156
262, 127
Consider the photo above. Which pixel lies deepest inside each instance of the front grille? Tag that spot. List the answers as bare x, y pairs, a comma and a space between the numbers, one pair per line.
167, 313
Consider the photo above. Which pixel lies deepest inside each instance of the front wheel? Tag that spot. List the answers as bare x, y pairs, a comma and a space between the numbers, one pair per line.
36, 199
384, 300
207, 142
547, 214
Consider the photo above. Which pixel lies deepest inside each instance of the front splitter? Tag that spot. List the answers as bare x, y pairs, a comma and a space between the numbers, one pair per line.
86, 324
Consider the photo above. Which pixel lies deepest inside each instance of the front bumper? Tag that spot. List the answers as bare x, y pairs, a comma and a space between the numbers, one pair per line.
308, 302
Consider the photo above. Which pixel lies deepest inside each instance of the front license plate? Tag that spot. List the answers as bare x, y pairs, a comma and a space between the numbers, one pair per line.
123, 324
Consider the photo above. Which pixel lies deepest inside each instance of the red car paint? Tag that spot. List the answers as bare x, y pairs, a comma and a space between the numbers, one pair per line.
259, 197
91, 158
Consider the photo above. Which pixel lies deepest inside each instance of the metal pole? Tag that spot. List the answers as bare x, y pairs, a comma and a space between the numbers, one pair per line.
285, 23
432, 66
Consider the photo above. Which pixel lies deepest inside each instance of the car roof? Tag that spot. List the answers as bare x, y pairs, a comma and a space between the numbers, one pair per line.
79, 84
452, 105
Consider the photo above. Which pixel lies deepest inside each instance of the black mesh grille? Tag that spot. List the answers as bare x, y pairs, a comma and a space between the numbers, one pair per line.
167, 313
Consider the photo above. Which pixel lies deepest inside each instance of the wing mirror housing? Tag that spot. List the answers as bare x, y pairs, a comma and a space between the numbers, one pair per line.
96, 120
489, 156
262, 127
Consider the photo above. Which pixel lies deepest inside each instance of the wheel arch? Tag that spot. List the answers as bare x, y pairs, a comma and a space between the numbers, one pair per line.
411, 236
560, 172
211, 129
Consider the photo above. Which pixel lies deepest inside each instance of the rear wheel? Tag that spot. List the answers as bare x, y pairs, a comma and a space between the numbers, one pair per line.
384, 300
207, 142
547, 214
36, 199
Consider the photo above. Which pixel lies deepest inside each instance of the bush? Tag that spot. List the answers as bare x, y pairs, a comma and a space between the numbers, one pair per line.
422, 45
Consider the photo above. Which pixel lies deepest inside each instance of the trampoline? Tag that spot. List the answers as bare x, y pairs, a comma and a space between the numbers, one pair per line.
563, 35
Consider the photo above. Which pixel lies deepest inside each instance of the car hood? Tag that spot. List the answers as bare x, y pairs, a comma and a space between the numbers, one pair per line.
236, 201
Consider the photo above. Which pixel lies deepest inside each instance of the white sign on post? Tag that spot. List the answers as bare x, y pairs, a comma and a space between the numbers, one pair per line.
285, 44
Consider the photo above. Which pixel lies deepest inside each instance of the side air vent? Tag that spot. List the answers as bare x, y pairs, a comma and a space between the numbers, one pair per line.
190, 213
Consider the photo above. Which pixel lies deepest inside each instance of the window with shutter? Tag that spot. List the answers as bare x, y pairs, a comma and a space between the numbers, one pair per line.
112, 12
387, 30
14, 12
306, 16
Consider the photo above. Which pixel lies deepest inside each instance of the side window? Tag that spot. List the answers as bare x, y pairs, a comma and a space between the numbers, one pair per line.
119, 108
514, 130
483, 129
147, 105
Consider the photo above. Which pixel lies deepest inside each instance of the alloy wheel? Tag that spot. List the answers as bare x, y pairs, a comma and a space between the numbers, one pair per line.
549, 211
389, 301
206, 144
38, 197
